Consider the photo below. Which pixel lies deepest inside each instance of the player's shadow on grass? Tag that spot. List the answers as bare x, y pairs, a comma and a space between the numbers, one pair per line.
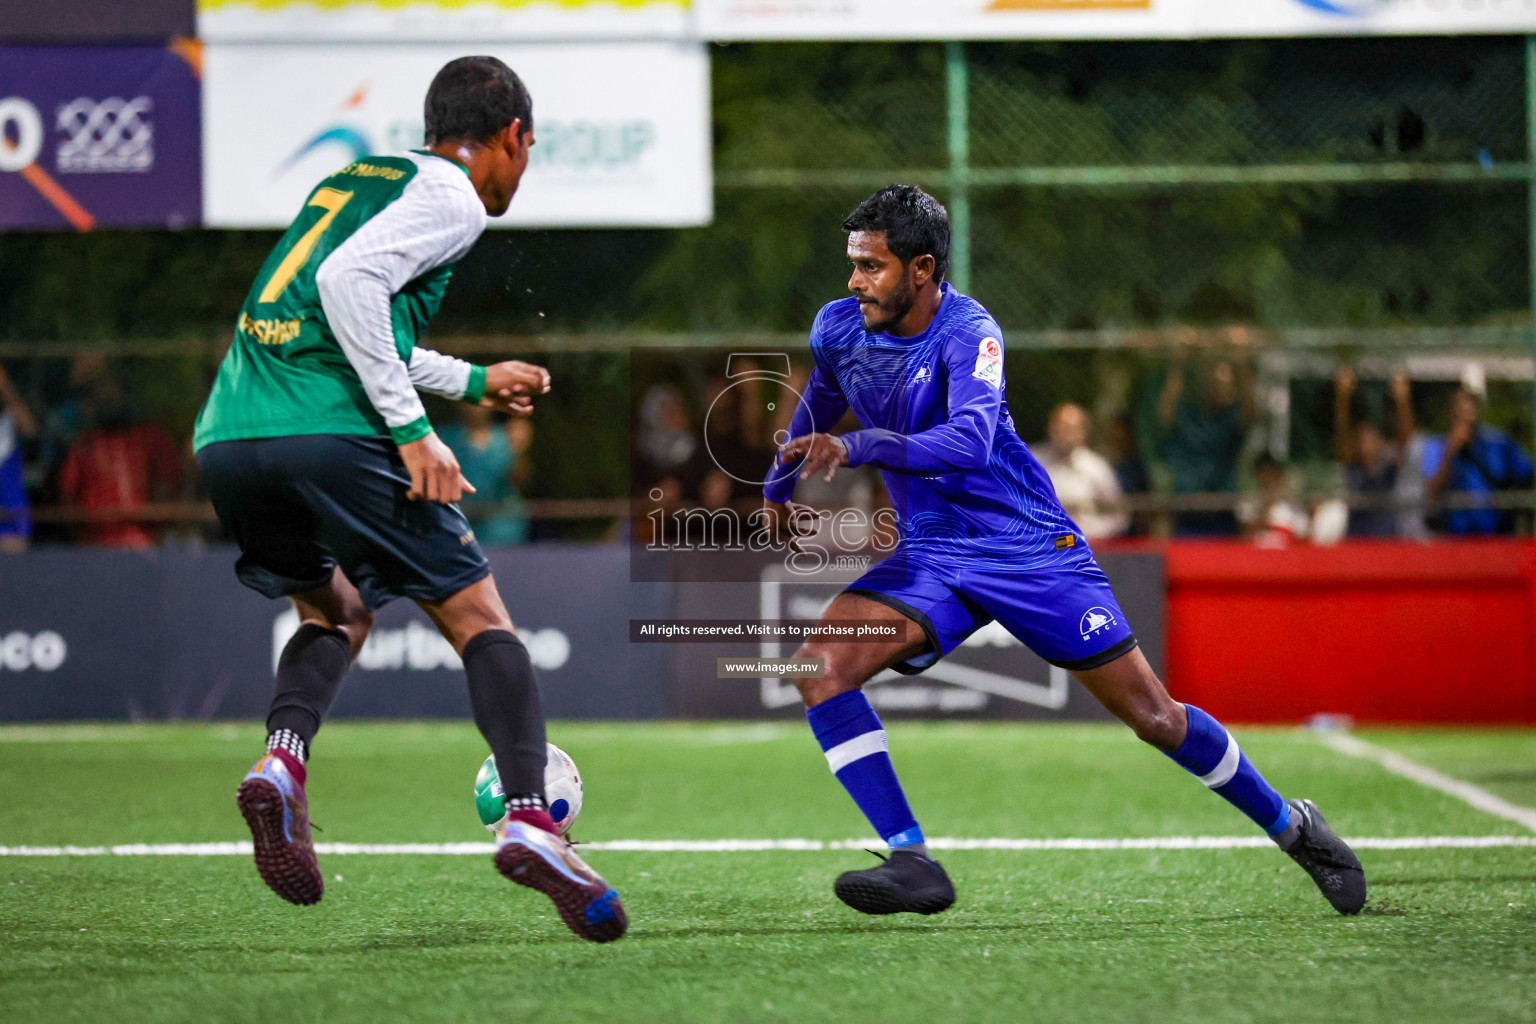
1518, 777
1452, 880
441, 935
1041, 928
845, 928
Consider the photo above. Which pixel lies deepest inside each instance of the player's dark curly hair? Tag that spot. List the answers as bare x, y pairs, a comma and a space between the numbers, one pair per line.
914, 223
473, 98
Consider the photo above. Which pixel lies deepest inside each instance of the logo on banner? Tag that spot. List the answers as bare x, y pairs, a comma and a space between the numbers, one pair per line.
1068, 5
951, 687
110, 136
44, 652
417, 647
1344, 8
347, 134
21, 134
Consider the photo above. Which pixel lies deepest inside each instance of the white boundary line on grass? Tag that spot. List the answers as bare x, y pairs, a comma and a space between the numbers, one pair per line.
1424, 775
243, 849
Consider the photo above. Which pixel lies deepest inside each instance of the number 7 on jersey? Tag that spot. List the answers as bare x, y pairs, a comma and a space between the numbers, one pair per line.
331, 201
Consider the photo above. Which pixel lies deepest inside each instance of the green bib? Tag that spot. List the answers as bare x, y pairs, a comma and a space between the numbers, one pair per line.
285, 373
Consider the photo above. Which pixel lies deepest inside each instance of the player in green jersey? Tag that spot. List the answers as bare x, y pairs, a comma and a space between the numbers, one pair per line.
317, 453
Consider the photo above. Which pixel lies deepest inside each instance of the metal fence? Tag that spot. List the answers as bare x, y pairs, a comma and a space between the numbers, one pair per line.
1359, 200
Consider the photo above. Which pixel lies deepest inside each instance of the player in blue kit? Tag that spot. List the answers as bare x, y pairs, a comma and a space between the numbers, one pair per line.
982, 538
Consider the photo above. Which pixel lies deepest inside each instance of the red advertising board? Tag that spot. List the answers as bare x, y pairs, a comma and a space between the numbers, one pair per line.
1383, 632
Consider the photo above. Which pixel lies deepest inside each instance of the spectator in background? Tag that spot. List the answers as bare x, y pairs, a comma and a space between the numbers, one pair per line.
728, 466
1084, 480
1203, 436
16, 423
665, 440
492, 450
665, 443
1476, 460
1272, 518
117, 465
1130, 470
66, 420
1372, 464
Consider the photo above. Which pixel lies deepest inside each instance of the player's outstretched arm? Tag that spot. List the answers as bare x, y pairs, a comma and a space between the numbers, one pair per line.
512, 385
507, 386
962, 442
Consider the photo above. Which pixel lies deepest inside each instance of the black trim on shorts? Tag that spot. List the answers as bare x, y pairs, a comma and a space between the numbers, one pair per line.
1104, 657
911, 613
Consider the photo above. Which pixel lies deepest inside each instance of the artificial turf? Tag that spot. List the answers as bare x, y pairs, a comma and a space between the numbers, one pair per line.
1133, 935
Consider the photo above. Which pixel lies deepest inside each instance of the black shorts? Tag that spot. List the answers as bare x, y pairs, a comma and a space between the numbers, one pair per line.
300, 506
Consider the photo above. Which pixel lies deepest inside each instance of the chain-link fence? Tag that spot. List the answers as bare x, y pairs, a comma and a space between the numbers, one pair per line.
1306, 202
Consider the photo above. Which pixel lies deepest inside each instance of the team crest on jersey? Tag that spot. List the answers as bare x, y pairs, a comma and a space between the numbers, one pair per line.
1094, 620
989, 362
922, 375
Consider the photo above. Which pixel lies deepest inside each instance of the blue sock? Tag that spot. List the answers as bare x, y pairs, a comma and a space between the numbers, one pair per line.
1210, 753
850, 734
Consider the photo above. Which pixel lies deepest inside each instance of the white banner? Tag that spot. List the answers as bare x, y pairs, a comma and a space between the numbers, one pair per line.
425, 21
622, 130
1362, 17
1104, 19
943, 19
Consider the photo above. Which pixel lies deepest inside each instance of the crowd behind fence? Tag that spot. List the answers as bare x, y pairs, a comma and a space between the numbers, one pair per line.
1276, 290
1206, 437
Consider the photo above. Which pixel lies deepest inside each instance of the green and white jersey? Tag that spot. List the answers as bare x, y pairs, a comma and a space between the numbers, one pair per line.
326, 340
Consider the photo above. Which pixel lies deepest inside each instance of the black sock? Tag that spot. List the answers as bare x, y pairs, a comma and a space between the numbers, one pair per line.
308, 675
504, 696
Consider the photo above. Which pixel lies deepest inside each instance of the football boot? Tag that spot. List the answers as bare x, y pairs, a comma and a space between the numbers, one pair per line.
1326, 857
546, 862
273, 803
904, 882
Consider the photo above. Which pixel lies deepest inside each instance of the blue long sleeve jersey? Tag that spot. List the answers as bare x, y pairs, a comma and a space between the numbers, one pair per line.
961, 481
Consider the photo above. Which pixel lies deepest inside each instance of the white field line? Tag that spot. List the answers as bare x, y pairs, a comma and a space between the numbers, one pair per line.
243, 849
1424, 775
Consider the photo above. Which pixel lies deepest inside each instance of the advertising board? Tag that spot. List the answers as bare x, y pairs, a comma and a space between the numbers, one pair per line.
606, 152
103, 136
325, 21
1104, 19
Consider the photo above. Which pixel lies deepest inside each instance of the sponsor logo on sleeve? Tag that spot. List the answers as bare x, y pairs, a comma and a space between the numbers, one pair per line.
989, 362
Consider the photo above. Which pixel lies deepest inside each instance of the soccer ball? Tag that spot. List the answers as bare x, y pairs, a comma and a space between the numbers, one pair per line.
562, 788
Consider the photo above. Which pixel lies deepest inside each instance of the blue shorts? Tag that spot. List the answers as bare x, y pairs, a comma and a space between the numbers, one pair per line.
300, 506
1067, 614
15, 518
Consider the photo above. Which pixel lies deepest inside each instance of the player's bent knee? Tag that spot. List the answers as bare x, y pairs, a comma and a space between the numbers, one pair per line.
1162, 726
839, 675
356, 627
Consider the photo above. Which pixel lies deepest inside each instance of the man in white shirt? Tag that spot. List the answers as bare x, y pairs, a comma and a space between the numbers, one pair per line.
1084, 480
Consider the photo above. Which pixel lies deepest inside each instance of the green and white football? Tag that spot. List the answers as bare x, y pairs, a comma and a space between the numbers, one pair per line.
562, 788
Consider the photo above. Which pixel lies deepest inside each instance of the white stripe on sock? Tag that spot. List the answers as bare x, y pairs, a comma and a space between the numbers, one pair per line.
844, 754
1223, 772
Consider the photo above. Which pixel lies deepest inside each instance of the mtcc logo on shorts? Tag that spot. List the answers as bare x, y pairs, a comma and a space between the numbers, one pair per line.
1093, 620
44, 652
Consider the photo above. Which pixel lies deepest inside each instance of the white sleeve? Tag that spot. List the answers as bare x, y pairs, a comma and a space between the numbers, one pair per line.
433, 222
437, 374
